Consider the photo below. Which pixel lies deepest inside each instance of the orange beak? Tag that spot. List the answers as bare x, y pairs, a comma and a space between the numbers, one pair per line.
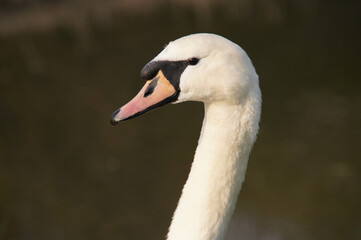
155, 93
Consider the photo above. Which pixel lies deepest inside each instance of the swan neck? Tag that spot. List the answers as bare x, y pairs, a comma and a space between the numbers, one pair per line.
210, 193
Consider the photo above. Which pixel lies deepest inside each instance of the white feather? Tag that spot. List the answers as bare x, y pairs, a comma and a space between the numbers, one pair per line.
226, 81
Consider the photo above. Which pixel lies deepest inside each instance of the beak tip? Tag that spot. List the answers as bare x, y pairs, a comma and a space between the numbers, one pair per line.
113, 121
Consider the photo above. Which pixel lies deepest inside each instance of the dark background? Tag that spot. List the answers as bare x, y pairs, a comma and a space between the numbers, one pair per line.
65, 66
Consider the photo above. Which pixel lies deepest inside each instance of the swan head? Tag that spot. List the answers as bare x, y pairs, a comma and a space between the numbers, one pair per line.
198, 67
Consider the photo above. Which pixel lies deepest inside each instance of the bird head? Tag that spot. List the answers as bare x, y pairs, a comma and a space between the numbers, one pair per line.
198, 67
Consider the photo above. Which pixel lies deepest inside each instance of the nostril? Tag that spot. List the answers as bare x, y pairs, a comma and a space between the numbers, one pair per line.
151, 87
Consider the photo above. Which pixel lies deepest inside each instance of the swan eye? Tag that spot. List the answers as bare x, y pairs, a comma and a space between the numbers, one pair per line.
193, 61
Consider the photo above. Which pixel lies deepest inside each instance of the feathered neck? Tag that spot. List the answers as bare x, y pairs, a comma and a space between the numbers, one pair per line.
210, 193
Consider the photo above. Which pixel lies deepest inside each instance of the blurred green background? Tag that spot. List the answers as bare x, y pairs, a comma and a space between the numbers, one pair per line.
65, 66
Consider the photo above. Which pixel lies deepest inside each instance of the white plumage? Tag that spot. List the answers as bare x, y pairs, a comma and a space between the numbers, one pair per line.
226, 81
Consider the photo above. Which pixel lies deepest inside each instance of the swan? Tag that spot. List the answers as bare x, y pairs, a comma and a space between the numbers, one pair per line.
211, 69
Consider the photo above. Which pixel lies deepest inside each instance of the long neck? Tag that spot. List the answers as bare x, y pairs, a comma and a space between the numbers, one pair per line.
218, 170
